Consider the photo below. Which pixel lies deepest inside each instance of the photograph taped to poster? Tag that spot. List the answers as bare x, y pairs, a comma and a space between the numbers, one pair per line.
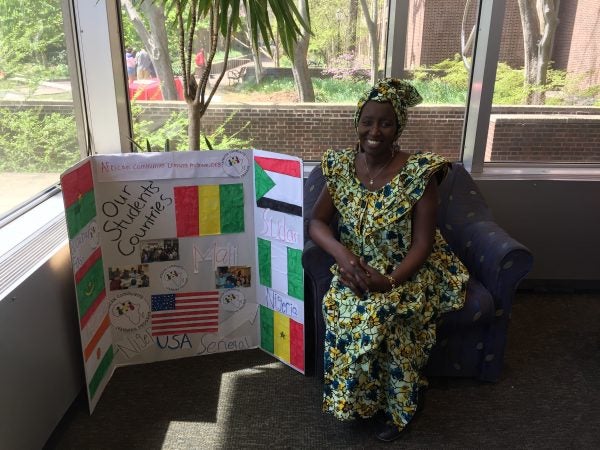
183, 254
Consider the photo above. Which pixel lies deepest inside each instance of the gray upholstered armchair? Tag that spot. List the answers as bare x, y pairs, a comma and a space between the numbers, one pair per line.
470, 342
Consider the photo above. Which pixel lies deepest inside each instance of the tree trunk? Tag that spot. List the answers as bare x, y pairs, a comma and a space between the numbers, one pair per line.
194, 118
302, 80
155, 42
539, 19
372, 27
258, 71
352, 21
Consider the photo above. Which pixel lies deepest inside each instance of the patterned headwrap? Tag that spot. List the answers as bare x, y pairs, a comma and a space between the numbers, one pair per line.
399, 93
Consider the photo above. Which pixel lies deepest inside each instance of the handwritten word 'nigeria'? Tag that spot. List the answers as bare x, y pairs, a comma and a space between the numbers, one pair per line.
124, 210
279, 303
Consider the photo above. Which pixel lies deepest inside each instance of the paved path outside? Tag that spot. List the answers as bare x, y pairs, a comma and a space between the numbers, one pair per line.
19, 187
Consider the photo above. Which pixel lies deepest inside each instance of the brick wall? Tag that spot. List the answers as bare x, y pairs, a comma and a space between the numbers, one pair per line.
521, 133
307, 130
434, 28
434, 35
582, 36
536, 138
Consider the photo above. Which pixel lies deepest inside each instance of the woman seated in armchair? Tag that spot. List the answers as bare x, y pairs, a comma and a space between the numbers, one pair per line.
394, 273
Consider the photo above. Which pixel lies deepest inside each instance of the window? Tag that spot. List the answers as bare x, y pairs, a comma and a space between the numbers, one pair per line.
434, 62
267, 115
555, 117
38, 138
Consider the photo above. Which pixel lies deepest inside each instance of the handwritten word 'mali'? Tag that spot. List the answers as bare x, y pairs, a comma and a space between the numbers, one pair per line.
125, 209
219, 256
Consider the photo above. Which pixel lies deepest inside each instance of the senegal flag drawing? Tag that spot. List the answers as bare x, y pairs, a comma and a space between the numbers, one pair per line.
282, 336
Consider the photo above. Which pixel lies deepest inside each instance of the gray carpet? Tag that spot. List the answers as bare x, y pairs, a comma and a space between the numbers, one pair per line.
548, 397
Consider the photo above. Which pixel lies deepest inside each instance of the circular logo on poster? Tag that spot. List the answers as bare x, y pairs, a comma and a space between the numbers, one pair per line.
129, 311
174, 278
235, 163
232, 300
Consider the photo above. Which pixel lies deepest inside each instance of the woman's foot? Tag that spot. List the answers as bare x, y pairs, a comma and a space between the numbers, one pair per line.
387, 431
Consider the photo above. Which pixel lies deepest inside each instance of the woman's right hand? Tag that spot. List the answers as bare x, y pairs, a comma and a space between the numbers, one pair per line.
351, 271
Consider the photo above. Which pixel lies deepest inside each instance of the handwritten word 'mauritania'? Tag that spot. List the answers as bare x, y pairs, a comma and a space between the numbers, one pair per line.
127, 208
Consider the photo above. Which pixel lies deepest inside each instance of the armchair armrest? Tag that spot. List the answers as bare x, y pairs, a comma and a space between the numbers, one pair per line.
316, 263
496, 259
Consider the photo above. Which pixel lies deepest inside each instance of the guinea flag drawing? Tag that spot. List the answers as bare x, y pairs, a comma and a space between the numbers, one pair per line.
209, 209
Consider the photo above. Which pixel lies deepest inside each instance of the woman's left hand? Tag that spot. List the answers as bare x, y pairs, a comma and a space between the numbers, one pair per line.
376, 282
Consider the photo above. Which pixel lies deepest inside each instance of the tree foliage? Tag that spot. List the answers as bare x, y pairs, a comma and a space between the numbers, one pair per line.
224, 19
31, 40
34, 142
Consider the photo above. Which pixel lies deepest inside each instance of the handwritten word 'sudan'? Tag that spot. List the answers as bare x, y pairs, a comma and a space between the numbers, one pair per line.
277, 227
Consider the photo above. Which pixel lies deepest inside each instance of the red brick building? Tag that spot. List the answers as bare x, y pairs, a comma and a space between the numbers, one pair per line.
435, 26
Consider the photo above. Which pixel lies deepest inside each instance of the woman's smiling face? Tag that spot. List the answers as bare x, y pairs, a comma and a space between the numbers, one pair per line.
377, 127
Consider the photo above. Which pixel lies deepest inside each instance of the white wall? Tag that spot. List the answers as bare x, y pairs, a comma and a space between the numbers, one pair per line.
41, 371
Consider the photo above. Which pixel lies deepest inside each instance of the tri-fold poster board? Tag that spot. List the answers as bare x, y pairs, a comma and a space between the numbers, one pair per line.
185, 253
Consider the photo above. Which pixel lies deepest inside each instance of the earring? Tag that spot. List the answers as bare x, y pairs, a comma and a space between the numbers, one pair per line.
358, 147
395, 148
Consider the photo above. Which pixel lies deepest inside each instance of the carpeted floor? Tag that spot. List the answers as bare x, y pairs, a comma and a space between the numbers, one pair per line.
548, 397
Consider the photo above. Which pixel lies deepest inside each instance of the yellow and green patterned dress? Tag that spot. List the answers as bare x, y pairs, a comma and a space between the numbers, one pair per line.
376, 345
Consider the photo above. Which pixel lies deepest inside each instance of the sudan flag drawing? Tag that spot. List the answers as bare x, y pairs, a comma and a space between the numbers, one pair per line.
282, 336
209, 209
278, 184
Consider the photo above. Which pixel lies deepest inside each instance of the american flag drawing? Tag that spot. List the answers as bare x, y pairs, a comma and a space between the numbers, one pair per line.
185, 312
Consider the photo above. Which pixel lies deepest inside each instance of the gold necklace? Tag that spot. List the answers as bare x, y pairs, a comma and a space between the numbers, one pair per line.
372, 178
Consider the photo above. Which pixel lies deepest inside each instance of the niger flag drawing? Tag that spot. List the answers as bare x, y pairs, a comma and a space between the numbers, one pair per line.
278, 184
282, 336
209, 209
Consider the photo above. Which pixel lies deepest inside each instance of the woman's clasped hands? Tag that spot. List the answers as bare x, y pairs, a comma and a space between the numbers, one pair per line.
359, 276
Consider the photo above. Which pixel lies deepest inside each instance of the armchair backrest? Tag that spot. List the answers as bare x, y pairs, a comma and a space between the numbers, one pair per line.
460, 201
460, 205
312, 188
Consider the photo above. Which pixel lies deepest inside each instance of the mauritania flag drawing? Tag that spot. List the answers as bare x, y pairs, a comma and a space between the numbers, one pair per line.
278, 184
209, 209
185, 312
280, 268
282, 336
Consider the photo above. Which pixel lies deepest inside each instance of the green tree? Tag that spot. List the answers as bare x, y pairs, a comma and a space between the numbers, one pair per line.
224, 19
31, 39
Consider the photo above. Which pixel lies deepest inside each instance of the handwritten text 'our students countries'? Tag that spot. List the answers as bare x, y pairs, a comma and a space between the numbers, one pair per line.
132, 214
